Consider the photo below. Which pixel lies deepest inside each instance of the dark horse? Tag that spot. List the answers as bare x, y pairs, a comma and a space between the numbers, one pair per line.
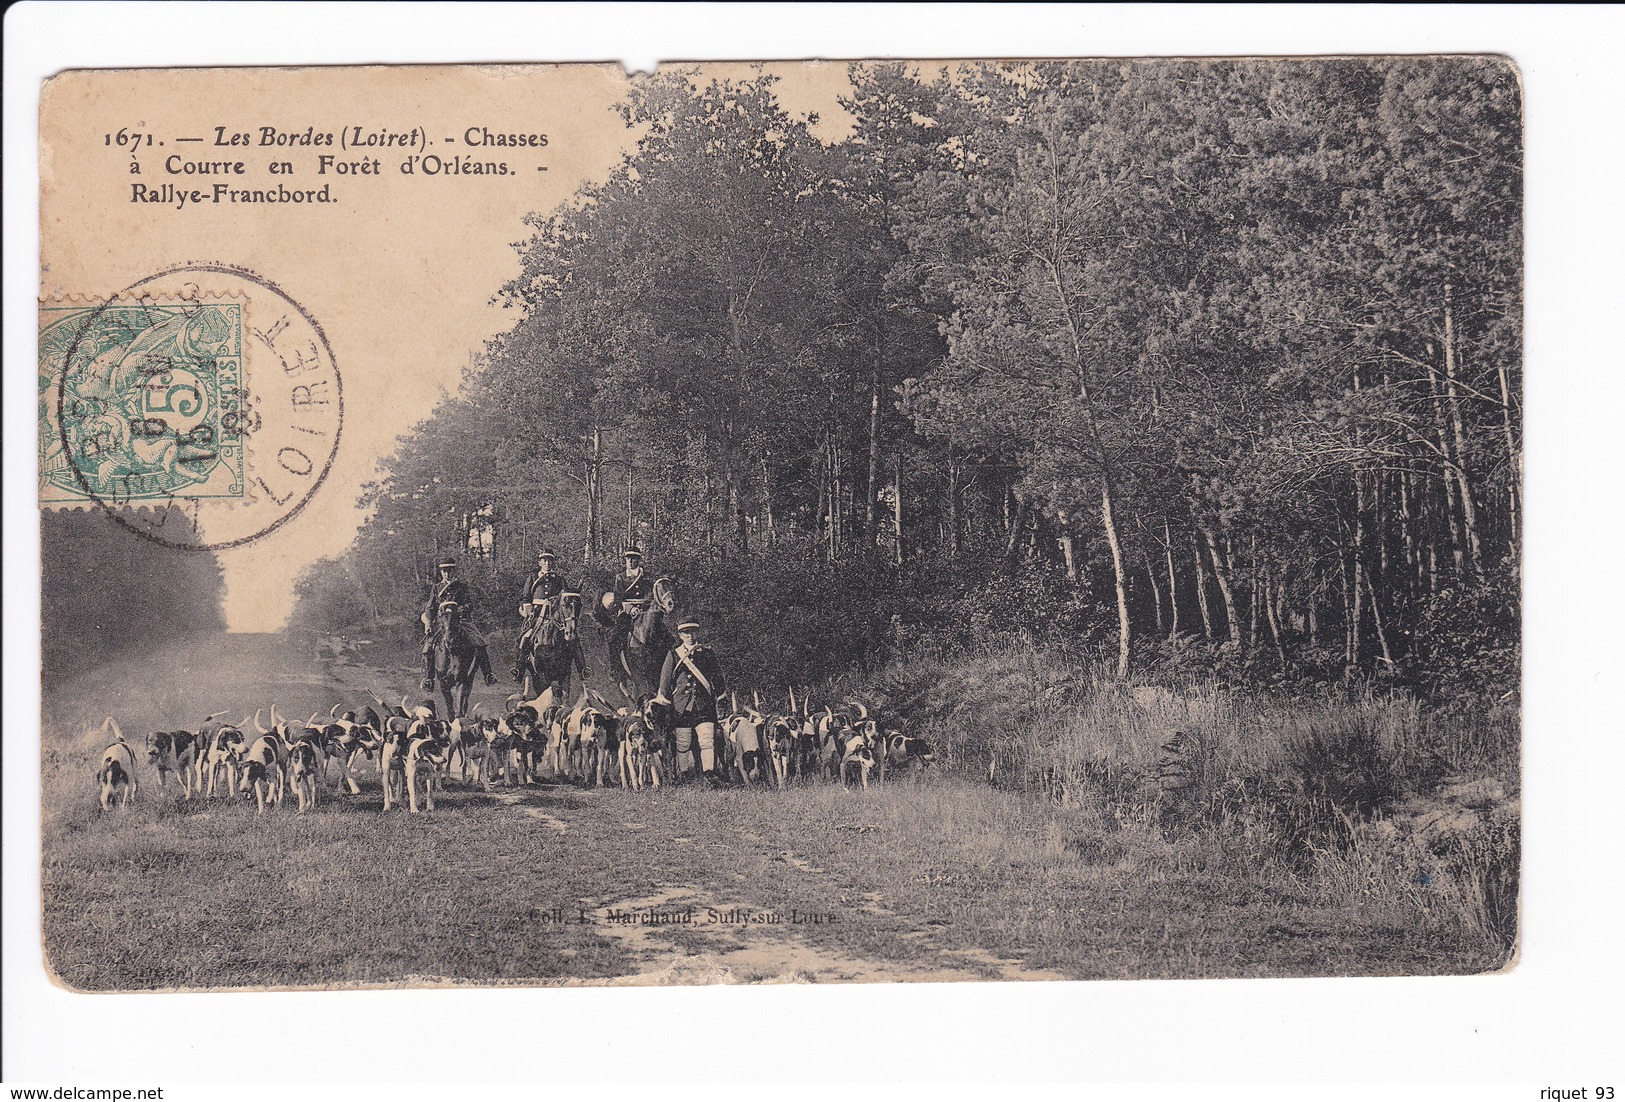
455, 654
553, 648
640, 640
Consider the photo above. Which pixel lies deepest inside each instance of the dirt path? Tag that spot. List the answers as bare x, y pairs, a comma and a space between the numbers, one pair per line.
659, 887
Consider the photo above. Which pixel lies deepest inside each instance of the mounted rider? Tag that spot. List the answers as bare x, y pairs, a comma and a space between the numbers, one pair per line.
452, 591
544, 586
628, 598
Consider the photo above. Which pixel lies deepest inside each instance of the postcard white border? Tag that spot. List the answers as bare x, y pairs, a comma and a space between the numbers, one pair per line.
1552, 1018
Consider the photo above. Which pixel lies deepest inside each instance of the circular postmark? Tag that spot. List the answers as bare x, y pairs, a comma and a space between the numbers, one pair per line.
200, 407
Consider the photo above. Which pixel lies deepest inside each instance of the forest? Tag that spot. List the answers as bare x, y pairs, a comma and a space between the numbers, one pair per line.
104, 591
1184, 365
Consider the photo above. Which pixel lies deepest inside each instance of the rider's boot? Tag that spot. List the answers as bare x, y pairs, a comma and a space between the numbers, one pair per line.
428, 671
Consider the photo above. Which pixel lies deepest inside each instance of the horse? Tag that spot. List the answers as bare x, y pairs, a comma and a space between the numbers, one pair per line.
637, 650
454, 657
553, 648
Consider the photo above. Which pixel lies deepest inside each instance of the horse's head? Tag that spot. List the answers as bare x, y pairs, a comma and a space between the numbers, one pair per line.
664, 595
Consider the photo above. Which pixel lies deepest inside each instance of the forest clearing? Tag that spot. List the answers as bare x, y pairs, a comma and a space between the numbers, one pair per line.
935, 877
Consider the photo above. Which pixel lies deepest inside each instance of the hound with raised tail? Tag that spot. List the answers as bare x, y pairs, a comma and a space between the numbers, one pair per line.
270, 752
392, 754
858, 750
115, 778
743, 736
469, 744
304, 767
221, 751
498, 738
779, 741
521, 733
174, 752
632, 759
590, 731
428, 753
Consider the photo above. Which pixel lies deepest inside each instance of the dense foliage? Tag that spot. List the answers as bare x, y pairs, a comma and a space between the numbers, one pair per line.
1208, 362
104, 590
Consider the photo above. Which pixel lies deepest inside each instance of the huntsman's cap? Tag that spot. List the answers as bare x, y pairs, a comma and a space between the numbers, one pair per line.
631, 554
449, 564
689, 625
545, 554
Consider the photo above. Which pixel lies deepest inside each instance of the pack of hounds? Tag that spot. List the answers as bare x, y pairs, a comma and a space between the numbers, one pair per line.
591, 743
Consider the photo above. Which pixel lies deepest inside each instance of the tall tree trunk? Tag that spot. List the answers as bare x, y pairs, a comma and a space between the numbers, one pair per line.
1358, 565
1406, 536
1253, 594
837, 498
1173, 582
1080, 365
1469, 515
897, 506
631, 521
1457, 545
1201, 591
1221, 575
767, 498
595, 471
1063, 524
1273, 617
1119, 574
823, 516
1514, 461
870, 528
952, 502
1312, 612
1376, 619
1350, 620
1156, 589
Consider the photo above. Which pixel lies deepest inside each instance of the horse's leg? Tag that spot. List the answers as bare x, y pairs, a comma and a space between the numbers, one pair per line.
466, 683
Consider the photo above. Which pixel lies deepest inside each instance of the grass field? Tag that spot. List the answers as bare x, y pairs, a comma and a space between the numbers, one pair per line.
934, 877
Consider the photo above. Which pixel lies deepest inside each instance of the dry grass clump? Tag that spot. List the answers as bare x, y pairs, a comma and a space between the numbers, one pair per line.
1357, 798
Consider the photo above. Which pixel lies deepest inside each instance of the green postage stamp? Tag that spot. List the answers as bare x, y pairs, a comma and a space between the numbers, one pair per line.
140, 402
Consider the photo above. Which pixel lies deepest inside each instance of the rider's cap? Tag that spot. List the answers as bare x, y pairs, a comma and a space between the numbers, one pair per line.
545, 554
449, 564
689, 625
631, 554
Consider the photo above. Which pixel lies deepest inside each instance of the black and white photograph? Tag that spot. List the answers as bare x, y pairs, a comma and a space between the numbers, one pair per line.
953, 549
963, 521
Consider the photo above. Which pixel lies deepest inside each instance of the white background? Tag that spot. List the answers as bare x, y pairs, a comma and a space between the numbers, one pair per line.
1553, 1021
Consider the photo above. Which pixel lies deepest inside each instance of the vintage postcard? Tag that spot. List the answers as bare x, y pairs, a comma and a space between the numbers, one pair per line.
780, 523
